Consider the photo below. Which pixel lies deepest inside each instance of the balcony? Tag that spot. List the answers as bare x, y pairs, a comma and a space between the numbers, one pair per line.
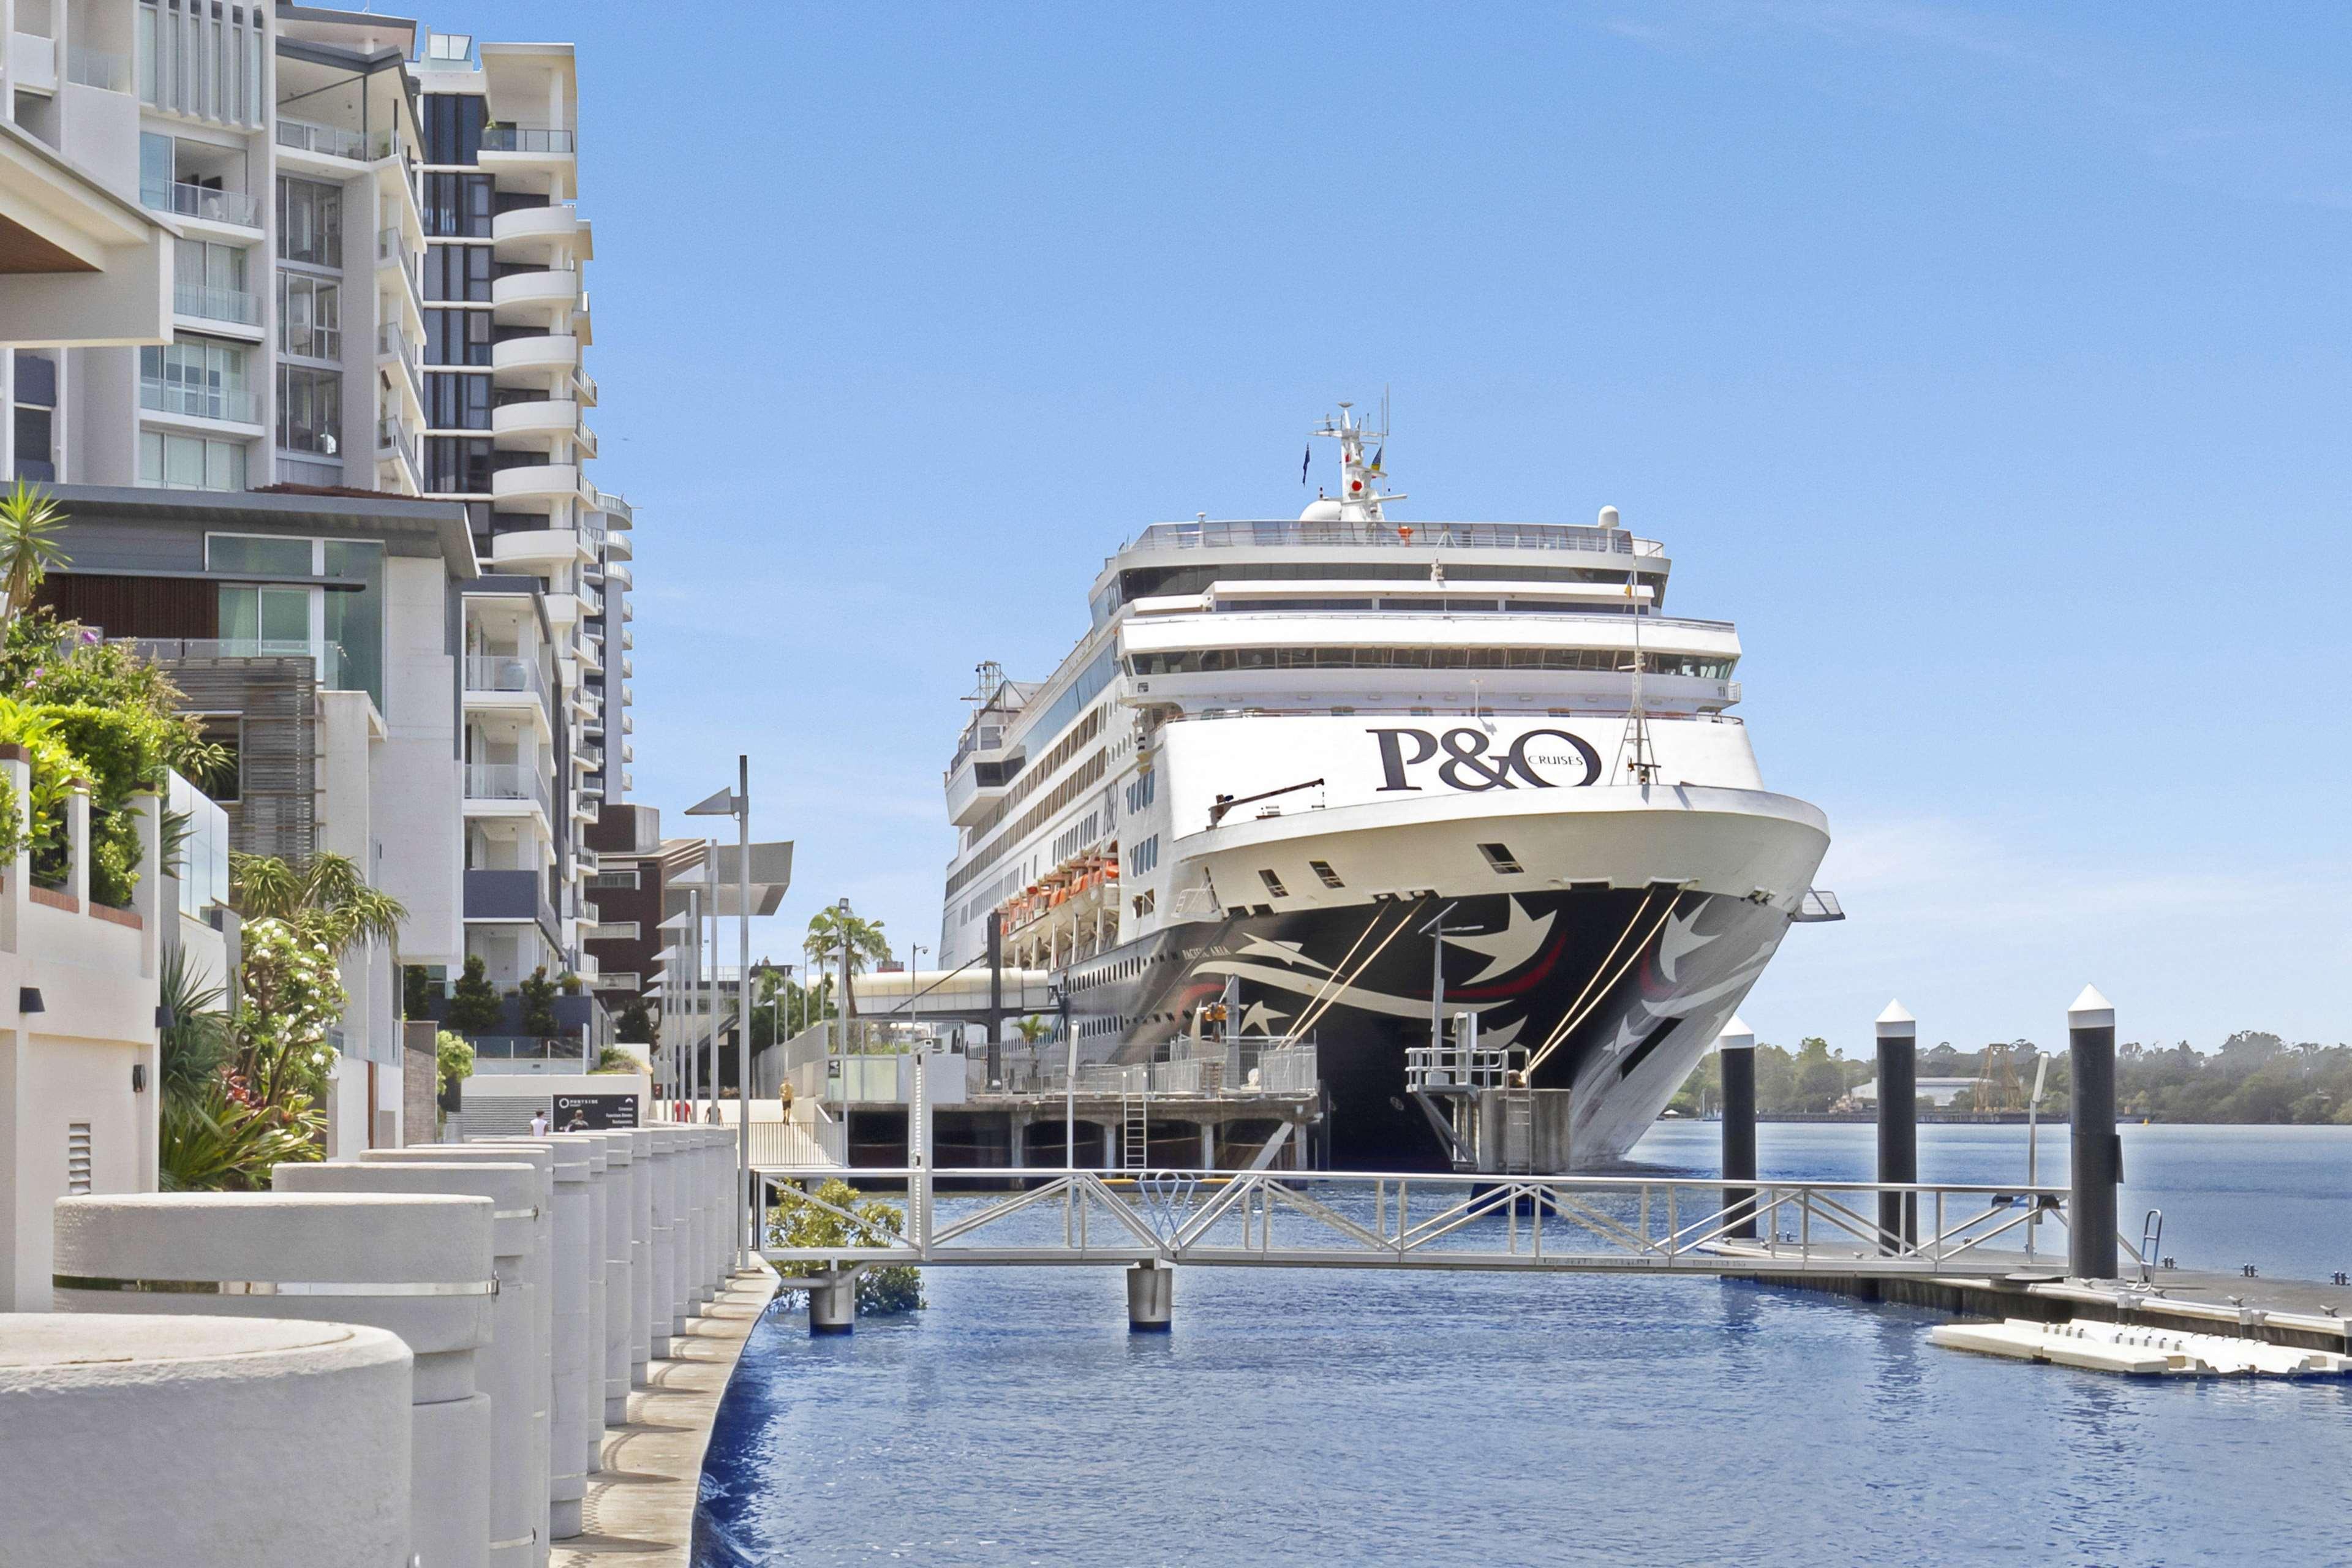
539, 551
509, 895
506, 783
504, 672
212, 304
535, 487
619, 574
518, 148
334, 141
392, 343
589, 756
520, 361
393, 438
96, 68
534, 234
326, 659
522, 298
535, 426
196, 401
182, 200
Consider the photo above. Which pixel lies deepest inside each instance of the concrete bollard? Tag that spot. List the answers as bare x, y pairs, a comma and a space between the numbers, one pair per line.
641, 1260
539, 1292
2097, 1149
833, 1302
588, 1393
576, 1268
508, 1369
418, 1266
662, 1303
1151, 1298
721, 1188
697, 1167
1736, 1059
682, 1231
620, 1153
206, 1442
1898, 1126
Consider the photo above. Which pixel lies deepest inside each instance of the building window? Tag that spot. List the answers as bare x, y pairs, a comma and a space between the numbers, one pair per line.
311, 222
1273, 883
458, 206
457, 465
453, 127
456, 337
309, 316
265, 620
355, 619
454, 402
36, 419
1144, 856
208, 281
610, 879
190, 462
199, 376
458, 272
263, 554
309, 410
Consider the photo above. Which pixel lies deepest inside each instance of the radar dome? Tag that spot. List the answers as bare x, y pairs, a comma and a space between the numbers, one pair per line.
1323, 510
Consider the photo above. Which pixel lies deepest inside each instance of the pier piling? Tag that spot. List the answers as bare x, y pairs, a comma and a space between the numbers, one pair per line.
1151, 1298
2097, 1149
1898, 1126
1736, 1058
833, 1302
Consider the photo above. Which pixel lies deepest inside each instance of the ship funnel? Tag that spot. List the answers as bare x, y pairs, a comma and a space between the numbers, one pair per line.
1608, 517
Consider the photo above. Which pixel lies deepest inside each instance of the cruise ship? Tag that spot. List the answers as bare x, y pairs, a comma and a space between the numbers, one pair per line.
1348, 778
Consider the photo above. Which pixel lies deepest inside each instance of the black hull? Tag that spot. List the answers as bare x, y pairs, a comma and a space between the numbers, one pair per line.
1631, 983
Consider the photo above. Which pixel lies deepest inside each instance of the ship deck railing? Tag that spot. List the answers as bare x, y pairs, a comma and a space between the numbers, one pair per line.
1566, 1223
1400, 534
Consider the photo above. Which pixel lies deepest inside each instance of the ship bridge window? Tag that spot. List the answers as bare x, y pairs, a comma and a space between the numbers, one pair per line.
1217, 661
1500, 857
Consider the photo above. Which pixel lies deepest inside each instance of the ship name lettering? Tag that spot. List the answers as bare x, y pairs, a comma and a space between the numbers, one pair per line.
1469, 767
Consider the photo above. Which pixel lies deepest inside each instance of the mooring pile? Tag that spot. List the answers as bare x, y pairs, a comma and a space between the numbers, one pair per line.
457, 1325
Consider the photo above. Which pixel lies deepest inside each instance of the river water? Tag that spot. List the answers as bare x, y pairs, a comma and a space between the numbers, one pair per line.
1375, 1417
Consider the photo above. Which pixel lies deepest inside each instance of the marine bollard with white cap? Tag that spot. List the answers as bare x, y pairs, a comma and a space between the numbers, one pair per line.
419, 1265
2097, 1148
1735, 1062
1898, 1126
98, 1402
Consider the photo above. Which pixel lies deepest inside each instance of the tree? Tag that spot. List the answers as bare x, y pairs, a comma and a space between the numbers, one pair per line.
831, 927
539, 1005
840, 1216
325, 896
1032, 1029
415, 992
635, 1025
30, 521
453, 1059
474, 1006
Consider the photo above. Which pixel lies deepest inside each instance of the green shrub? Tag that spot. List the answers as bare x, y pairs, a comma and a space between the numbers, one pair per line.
795, 1221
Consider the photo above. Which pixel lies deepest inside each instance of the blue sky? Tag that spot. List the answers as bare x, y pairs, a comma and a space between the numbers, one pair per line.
1988, 364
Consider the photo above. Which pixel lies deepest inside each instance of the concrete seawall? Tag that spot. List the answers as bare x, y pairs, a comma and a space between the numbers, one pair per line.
639, 1510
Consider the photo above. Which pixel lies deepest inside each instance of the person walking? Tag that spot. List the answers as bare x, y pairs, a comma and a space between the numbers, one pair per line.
538, 1123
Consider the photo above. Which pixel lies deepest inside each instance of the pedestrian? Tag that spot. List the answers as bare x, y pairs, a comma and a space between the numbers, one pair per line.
538, 1123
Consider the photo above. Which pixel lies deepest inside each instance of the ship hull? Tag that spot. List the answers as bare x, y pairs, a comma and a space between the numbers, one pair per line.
1614, 984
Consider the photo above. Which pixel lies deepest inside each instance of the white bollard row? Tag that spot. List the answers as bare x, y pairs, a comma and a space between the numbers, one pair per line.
417, 1266
504, 1294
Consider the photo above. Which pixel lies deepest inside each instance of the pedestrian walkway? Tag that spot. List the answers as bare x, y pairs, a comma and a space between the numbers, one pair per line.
640, 1507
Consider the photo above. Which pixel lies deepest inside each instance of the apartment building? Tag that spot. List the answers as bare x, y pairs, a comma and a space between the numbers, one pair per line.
318, 636
363, 262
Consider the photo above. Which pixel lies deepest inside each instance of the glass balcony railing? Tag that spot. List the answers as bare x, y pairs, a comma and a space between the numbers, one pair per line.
96, 68
201, 402
216, 304
184, 200
502, 672
332, 666
334, 141
523, 139
505, 781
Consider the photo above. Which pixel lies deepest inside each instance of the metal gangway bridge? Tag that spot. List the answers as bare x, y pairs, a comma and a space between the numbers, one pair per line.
1153, 1222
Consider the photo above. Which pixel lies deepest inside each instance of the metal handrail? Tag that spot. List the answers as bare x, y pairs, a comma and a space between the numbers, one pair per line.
199, 401
215, 304
1279, 532
185, 200
505, 781
525, 139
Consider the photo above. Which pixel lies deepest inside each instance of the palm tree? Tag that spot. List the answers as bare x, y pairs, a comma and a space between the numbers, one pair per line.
325, 897
1032, 1029
30, 520
832, 927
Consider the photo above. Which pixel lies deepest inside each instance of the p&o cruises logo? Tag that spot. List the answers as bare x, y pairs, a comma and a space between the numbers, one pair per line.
1539, 759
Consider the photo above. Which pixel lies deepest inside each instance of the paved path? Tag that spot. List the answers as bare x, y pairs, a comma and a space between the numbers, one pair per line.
640, 1507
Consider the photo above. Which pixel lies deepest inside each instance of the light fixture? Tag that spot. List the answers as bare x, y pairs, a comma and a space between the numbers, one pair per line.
29, 999
138, 1078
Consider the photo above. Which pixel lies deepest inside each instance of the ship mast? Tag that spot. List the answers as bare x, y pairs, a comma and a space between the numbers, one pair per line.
1359, 498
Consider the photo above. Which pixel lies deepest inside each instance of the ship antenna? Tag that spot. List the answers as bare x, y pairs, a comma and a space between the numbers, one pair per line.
1359, 494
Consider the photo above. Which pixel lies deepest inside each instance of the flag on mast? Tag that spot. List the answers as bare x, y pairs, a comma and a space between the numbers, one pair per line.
1306, 462
1376, 456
